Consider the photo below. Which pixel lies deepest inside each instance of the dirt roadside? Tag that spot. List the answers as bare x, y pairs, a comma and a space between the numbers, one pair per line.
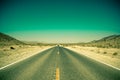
8, 55
109, 56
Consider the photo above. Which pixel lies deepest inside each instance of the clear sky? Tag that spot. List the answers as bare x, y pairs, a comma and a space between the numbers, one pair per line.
59, 20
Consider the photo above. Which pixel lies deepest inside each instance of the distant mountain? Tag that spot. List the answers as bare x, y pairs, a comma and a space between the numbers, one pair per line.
109, 41
8, 40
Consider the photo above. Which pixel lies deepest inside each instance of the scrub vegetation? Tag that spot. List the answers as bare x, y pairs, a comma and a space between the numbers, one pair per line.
107, 42
112, 41
106, 49
12, 50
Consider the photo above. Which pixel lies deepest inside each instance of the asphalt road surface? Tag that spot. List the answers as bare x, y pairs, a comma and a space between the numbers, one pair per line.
59, 63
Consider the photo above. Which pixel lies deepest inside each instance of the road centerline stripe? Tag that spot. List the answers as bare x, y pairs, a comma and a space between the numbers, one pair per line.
57, 74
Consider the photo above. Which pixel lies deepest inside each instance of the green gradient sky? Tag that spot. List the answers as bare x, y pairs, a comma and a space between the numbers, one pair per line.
59, 20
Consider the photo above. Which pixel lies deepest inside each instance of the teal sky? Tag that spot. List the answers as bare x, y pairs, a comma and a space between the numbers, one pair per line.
59, 20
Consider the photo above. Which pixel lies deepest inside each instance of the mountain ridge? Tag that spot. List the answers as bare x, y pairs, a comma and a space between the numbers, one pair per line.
8, 40
109, 41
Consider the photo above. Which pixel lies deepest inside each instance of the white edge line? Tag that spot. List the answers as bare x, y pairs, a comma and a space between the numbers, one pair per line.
22, 59
95, 59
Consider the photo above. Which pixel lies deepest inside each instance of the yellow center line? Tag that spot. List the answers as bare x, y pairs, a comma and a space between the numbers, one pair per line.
58, 53
57, 74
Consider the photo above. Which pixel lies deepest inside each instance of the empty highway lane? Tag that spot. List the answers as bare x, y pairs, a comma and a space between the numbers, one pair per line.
59, 63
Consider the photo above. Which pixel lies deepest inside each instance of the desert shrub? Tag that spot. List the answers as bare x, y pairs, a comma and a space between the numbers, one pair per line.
104, 52
98, 51
5, 50
115, 53
20, 46
12, 48
91, 50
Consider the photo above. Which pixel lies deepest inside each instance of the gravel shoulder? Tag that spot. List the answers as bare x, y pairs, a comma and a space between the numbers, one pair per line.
109, 56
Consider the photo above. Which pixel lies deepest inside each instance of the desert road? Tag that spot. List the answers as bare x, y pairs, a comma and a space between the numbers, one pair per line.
59, 63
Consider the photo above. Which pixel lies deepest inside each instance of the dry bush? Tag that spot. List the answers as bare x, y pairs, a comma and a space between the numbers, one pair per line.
12, 48
115, 53
104, 52
98, 51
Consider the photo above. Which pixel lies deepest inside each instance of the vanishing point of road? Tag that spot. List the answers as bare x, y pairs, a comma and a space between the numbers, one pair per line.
59, 63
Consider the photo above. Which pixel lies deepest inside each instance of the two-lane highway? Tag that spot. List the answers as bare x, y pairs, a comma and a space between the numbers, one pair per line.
59, 63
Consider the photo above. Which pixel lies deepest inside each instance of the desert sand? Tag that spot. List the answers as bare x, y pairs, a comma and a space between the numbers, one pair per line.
110, 56
8, 56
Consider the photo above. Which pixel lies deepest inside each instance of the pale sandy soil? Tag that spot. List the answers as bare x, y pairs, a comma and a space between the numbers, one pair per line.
8, 56
109, 56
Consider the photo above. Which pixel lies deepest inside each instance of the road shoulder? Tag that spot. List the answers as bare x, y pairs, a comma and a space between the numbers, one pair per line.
108, 60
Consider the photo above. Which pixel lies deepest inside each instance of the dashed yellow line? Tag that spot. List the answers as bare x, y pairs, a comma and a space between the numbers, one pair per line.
57, 74
58, 52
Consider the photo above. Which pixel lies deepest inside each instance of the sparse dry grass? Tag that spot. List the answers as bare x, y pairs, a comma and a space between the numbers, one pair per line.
17, 52
107, 55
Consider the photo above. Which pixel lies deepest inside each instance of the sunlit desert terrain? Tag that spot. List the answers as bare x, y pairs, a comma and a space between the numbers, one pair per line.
106, 55
18, 52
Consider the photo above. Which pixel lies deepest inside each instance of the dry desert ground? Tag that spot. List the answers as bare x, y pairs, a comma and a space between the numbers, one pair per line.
10, 55
110, 56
